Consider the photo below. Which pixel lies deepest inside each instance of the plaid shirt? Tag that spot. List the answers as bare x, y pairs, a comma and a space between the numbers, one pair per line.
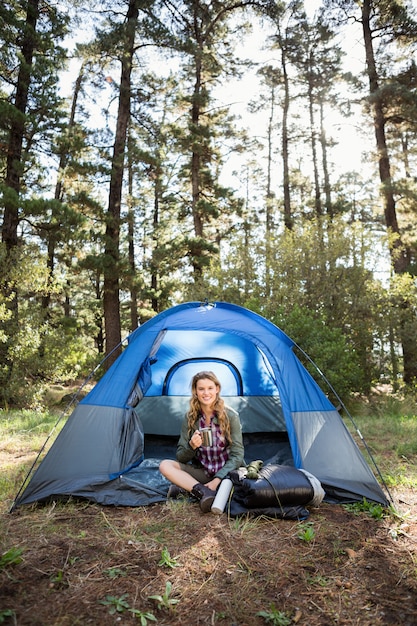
213, 458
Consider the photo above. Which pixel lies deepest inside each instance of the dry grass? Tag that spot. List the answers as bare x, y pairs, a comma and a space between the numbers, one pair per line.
355, 570
86, 564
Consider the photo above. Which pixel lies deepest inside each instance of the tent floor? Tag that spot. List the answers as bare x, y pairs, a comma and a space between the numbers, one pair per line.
145, 484
268, 447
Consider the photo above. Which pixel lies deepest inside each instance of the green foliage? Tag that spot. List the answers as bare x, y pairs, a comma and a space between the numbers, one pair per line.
5, 614
116, 604
320, 581
321, 293
191, 234
389, 409
115, 572
327, 347
58, 579
43, 346
11, 557
120, 605
373, 509
275, 617
165, 601
143, 616
166, 560
306, 533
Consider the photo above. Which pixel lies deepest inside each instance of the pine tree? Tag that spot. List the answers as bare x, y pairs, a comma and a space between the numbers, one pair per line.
31, 114
392, 25
203, 32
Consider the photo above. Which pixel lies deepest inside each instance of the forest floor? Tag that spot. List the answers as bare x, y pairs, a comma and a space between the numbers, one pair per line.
80, 563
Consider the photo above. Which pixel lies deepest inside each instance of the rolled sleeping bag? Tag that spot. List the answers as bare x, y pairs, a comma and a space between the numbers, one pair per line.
277, 485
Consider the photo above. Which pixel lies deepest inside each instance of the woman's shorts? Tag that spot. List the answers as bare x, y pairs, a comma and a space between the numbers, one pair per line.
196, 472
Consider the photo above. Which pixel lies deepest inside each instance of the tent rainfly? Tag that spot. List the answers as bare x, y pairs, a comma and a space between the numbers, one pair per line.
110, 446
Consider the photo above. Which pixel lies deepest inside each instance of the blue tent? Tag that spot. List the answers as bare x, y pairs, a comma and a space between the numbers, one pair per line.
110, 447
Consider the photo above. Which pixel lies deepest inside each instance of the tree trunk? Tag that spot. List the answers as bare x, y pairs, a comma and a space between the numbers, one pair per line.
326, 175
399, 256
405, 153
196, 251
59, 195
317, 195
201, 27
269, 221
399, 252
155, 240
12, 184
17, 129
111, 300
134, 318
288, 220
98, 318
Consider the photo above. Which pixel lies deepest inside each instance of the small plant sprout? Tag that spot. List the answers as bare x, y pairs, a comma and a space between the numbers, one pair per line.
318, 580
165, 601
11, 557
372, 508
115, 604
115, 572
275, 617
120, 605
306, 533
5, 614
166, 560
144, 617
58, 578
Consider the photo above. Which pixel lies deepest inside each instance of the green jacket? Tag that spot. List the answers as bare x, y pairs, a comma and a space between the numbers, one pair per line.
185, 453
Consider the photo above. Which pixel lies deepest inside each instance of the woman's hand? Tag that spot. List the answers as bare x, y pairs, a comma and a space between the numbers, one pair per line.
196, 440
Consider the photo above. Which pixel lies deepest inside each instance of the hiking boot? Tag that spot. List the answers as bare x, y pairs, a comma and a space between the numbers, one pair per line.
204, 495
175, 492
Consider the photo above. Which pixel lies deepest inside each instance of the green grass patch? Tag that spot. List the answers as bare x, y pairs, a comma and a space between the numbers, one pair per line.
25, 430
388, 426
22, 435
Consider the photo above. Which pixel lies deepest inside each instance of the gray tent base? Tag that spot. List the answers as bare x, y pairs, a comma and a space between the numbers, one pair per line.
144, 485
151, 487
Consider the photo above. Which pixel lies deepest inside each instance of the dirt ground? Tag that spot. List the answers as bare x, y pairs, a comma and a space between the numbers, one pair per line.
86, 564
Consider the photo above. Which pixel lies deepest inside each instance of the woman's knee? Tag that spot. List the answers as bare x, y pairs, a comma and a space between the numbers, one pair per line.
166, 465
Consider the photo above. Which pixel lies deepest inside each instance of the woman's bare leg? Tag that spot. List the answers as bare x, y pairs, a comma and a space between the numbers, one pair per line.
171, 470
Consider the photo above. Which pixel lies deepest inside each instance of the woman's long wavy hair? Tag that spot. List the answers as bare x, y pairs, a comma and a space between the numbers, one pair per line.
218, 407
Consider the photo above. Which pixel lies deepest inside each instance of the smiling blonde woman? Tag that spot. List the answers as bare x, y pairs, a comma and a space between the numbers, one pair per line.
201, 465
